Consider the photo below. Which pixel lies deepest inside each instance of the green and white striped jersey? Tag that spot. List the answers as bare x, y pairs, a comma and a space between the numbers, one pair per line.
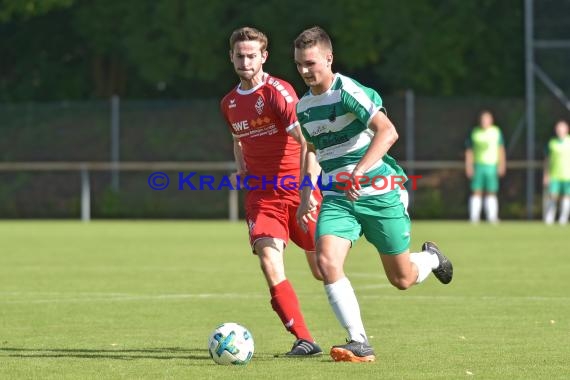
336, 123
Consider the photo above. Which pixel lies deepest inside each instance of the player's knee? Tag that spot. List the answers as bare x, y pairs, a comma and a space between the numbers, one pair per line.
317, 274
401, 283
327, 265
267, 264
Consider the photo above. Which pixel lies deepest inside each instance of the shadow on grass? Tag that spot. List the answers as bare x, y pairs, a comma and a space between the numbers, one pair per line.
166, 353
163, 353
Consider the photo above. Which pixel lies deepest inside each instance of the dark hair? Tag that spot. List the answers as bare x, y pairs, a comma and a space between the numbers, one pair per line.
312, 37
248, 34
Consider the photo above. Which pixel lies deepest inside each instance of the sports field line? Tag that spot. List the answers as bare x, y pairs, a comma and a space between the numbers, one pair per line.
54, 297
113, 297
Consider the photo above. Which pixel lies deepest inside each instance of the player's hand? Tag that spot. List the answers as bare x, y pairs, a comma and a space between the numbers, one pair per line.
502, 170
353, 191
313, 203
545, 180
306, 213
234, 180
469, 171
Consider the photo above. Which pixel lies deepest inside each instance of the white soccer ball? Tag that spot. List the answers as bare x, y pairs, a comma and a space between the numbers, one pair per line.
231, 343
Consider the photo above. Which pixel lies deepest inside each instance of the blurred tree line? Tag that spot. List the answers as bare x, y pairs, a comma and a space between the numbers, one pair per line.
86, 49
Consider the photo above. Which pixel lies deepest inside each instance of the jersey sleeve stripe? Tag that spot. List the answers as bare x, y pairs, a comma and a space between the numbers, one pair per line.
292, 126
312, 101
372, 114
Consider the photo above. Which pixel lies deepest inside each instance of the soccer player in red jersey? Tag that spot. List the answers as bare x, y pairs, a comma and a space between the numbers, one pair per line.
269, 150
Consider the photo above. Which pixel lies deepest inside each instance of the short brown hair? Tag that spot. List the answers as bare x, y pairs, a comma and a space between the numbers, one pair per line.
248, 34
312, 37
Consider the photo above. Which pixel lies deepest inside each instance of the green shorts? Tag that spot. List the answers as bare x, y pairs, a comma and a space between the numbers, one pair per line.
382, 219
485, 178
556, 187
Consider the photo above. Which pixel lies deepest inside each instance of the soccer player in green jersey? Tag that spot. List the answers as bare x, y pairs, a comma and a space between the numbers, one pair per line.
345, 126
557, 174
485, 162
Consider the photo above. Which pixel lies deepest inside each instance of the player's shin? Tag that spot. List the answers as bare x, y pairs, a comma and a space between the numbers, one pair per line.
285, 303
345, 306
492, 208
550, 212
425, 262
564, 210
475, 205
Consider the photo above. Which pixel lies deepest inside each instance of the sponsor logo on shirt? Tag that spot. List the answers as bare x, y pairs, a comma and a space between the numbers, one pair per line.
260, 121
259, 105
239, 126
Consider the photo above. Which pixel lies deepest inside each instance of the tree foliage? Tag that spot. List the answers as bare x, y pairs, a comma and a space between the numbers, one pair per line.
23, 9
65, 49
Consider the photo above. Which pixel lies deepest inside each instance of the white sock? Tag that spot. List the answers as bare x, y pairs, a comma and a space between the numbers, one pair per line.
345, 306
550, 212
425, 262
565, 210
475, 204
492, 208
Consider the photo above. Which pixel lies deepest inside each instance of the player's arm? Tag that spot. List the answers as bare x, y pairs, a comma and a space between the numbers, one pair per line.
237, 148
469, 162
385, 135
469, 156
309, 165
502, 157
284, 103
241, 169
546, 169
308, 204
502, 161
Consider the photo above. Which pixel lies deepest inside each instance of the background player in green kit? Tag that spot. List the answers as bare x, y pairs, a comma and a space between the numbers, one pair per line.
557, 174
345, 127
485, 162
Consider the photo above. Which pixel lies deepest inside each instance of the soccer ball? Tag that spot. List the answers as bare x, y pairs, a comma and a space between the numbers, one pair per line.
231, 343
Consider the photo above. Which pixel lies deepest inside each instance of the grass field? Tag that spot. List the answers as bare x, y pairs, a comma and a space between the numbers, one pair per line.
137, 300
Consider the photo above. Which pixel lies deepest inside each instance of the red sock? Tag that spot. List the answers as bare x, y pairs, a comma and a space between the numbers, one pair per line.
285, 303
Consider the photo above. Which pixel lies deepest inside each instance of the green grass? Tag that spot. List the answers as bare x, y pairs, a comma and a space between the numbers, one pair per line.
137, 300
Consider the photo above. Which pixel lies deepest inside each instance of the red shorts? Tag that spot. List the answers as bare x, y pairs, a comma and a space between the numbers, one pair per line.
270, 215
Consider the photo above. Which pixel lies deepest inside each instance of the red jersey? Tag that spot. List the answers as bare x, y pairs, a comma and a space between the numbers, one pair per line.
261, 118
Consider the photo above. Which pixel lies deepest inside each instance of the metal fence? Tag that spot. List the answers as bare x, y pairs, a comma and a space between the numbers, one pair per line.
154, 133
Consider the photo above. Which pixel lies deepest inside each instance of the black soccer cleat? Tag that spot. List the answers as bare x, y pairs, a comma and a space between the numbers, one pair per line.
444, 272
353, 351
304, 348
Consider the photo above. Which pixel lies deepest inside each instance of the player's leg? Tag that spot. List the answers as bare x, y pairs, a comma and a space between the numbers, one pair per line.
491, 188
386, 225
564, 210
283, 297
404, 269
270, 254
476, 199
284, 300
407, 269
268, 236
332, 251
565, 203
313, 264
305, 239
336, 230
554, 188
492, 207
